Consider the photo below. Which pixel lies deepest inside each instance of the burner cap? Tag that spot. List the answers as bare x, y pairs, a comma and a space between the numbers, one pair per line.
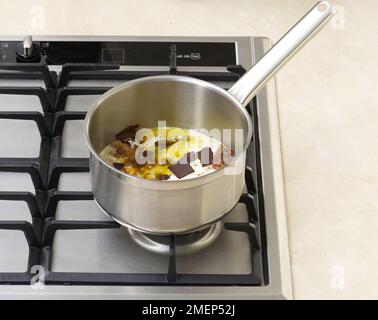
185, 243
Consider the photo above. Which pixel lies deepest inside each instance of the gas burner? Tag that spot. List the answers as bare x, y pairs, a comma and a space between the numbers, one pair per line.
184, 244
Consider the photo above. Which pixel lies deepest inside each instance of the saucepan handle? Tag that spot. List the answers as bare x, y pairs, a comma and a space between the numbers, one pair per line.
248, 86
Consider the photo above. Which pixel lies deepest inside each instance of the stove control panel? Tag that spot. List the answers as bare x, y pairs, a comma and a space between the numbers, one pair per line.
133, 53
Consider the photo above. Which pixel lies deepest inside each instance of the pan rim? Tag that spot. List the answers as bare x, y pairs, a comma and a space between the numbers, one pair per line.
97, 103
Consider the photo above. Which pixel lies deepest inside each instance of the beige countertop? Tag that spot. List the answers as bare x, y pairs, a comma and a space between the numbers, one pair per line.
328, 116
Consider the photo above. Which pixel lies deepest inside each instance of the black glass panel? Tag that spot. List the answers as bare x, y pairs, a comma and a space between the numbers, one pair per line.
130, 53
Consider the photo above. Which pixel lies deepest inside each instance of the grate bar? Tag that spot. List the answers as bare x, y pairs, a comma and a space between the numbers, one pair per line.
61, 117
51, 226
172, 274
69, 68
26, 227
30, 91
35, 116
28, 197
29, 71
27, 165
63, 93
54, 196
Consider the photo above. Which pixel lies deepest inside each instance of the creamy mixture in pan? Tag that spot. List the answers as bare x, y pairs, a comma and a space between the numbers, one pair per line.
164, 153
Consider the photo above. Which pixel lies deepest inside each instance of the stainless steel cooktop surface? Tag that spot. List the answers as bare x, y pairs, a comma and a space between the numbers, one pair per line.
48, 217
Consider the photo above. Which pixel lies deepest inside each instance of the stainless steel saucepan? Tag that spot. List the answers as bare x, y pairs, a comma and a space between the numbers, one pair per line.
174, 207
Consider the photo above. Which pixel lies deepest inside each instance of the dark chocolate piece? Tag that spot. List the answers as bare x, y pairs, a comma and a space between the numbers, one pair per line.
117, 165
181, 170
164, 177
188, 158
206, 156
127, 134
123, 149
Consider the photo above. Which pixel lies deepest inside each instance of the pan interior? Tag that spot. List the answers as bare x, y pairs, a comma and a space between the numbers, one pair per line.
179, 101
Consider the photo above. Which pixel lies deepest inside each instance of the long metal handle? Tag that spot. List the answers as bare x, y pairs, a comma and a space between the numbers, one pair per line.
248, 86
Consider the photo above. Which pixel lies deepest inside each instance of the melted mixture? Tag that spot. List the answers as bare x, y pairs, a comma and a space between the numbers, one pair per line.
164, 153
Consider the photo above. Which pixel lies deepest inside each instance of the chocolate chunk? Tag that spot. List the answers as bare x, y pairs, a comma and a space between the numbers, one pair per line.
181, 170
124, 150
117, 165
128, 133
188, 158
206, 156
164, 177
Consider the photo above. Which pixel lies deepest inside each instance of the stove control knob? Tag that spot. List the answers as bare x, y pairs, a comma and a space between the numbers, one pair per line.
28, 46
28, 51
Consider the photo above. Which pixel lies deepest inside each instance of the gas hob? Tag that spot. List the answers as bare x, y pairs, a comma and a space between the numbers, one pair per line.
52, 232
